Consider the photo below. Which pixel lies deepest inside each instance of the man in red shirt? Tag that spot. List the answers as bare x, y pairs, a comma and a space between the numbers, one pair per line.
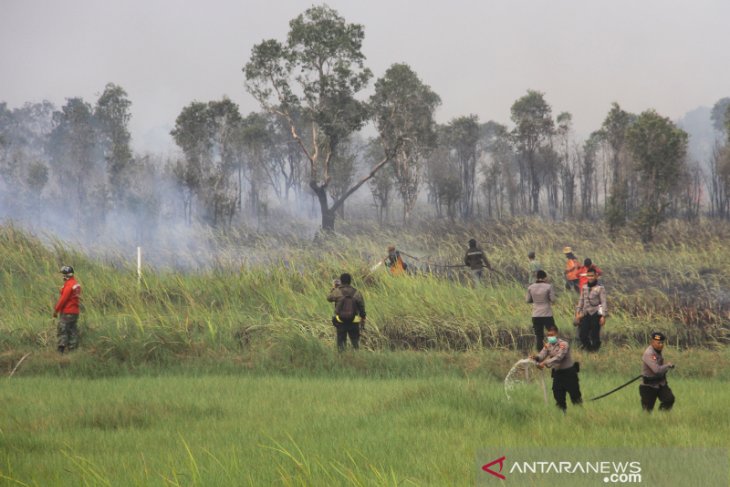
68, 307
588, 265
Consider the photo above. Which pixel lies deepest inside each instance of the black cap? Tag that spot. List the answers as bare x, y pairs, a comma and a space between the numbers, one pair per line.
657, 335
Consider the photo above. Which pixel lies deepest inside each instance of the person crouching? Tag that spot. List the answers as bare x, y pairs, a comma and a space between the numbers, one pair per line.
556, 356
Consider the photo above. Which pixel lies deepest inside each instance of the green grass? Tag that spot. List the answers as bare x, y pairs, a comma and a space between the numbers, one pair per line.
228, 374
248, 430
679, 286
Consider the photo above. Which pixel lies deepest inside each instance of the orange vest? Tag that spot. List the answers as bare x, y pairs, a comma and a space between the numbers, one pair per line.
571, 269
397, 267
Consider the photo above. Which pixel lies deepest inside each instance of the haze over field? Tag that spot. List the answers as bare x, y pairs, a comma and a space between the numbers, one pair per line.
478, 56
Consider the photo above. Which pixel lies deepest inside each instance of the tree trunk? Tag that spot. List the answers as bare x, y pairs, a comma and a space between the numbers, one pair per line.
328, 215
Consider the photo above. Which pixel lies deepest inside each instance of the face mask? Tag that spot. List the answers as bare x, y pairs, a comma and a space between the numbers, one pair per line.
552, 340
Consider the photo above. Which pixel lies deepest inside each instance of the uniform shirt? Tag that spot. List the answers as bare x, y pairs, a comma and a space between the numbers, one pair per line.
535, 266
541, 295
591, 298
653, 366
558, 355
337, 295
68, 302
475, 258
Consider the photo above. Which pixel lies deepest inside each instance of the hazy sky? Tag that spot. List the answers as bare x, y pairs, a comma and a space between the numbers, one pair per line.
479, 56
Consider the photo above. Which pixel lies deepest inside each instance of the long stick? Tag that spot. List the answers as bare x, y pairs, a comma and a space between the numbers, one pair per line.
618, 388
18, 364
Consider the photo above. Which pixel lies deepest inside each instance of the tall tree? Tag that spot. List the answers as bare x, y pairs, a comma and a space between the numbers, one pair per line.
257, 141
659, 148
23, 160
403, 108
532, 117
381, 185
192, 135
74, 154
720, 115
567, 156
443, 176
587, 173
719, 181
317, 74
499, 171
112, 115
614, 133
462, 139
209, 135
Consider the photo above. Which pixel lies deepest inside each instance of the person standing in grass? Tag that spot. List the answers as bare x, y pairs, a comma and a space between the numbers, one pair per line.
654, 381
555, 355
476, 260
68, 308
542, 295
349, 318
571, 270
535, 266
591, 312
394, 262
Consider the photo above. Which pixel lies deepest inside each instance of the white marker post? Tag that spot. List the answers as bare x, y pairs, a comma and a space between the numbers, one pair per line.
139, 266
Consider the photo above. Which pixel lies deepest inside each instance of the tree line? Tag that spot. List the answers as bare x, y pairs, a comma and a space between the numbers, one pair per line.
307, 144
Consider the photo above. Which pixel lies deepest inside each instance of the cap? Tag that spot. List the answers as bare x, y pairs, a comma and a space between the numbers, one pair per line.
658, 336
567, 250
531, 254
67, 270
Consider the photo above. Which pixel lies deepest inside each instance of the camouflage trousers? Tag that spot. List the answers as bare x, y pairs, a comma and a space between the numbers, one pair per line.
67, 331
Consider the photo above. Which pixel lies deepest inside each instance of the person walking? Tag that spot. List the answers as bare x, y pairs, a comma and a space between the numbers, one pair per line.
591, 313
542, 295
556, 356
571, 270
534, 265
394, 262
68, 309
654, 381
349, 316
476, 260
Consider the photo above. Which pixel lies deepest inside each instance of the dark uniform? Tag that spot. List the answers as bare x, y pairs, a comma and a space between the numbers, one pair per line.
564, 372
349, 327
476, 260
542, 296
592, 305
654, 381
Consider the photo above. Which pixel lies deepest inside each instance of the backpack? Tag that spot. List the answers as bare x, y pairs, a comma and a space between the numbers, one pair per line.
346, 307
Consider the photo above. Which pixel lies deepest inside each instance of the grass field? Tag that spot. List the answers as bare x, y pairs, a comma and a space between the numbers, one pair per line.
259, 430
227, 374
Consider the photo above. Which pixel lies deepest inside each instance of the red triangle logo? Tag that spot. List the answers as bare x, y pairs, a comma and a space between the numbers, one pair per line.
499, 461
